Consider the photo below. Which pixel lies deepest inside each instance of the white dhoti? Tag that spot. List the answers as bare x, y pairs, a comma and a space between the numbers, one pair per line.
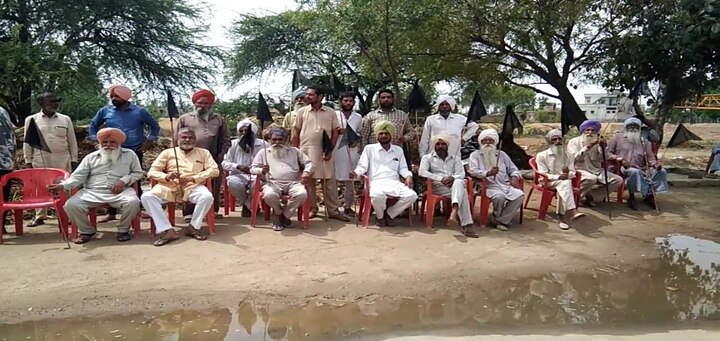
381, 189
273, 191
239, 185
199, 195
79, 205
591, 181
506, 203
566, 199
458, 195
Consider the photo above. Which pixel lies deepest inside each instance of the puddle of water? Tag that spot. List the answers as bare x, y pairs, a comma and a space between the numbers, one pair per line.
684, 286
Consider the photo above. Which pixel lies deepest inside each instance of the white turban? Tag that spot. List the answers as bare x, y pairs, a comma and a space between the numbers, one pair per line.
553, 133
253, 126
446, 98
491, 133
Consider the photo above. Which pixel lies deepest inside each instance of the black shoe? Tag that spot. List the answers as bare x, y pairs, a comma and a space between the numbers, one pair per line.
245, 212
632, 203
650, 200
287, 223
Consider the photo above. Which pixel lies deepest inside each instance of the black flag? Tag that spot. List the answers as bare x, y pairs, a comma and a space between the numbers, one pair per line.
327, 145
510, 122
34, 137
571, 118
263, 111
298, 80
477, 109
172, 109
350, 137
417, 99
565, 120
681, 135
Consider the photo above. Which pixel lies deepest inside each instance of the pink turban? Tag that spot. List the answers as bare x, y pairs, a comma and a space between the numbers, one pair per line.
121, 91
203, 93
106, 133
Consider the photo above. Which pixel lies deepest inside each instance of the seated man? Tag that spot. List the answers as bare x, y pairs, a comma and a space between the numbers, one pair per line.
286, 170
238, 160
181, 173
384, 164
587, 151
714, 163
639, 165
558, 166
107, 176
448, 179
502, 178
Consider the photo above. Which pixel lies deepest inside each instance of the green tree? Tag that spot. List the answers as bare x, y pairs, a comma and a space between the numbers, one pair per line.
48, 43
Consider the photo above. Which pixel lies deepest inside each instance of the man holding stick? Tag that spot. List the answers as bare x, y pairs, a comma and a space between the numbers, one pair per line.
347, 153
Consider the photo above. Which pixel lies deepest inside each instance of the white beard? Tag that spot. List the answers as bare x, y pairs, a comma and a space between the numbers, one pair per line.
558, 150
279, 151
109, 156
589, 139
489, 156
633, 136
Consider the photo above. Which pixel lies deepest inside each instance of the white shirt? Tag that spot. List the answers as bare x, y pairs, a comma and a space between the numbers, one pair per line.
435, 168
551, 165
451, 126
236, 156
381, 164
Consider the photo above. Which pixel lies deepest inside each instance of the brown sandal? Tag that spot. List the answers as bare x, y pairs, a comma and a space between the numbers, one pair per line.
469, 233
162, 240
195, 235
83, 238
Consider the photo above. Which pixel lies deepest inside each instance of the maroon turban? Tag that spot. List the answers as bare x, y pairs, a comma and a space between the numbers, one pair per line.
203, 93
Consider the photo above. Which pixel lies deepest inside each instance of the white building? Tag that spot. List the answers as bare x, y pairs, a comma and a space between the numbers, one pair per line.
608, 106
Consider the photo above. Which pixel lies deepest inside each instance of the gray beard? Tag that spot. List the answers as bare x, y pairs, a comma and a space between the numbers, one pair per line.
588, 139
558, 150
279, 151
108, 156
488, 153
633, 136
186, 147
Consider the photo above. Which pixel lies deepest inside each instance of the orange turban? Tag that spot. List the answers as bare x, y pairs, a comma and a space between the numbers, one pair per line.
203, 93
121, 91
106, 133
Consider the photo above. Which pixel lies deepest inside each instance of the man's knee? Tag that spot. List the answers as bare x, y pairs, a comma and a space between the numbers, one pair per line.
300, 194
75, 205
412, 197
131, 202
269, 194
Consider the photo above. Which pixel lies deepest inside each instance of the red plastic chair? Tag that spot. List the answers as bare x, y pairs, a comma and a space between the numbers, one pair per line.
228, 199
93, 219
621, 188
34, 195
485, 200
366, 206
427, 208
548, 194
210, 216
303, 211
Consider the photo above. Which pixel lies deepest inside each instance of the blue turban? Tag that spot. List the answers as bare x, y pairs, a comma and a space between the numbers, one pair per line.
632, 120
595, 124
299, 93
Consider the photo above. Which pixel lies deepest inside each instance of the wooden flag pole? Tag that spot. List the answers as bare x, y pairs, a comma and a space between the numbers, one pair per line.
177, 163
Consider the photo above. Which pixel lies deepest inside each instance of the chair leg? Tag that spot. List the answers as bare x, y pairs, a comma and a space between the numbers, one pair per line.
306, 214
410, 214
136, 225
93, 217
19, 223
547, 197
226, 201
210, 217
429, 212
484, 211
527, 200
171, 213
367, 207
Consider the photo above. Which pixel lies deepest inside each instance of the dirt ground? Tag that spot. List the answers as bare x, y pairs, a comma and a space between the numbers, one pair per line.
328, 262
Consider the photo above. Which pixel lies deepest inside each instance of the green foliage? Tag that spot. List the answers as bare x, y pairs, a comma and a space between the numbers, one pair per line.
47, 43
548, 117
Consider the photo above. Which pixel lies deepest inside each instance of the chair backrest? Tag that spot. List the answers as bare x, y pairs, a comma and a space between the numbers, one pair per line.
34, 182
533, 165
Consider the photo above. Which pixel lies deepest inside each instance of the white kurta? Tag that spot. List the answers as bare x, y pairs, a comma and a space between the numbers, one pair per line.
59, 133
344, 162
452, 127
98, 178
500, 183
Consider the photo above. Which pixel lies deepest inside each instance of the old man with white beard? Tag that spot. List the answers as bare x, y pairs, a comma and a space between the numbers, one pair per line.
286, 171
587, 152
558, 166
238, 160
639, 165
444, 122
107, 176
502, 178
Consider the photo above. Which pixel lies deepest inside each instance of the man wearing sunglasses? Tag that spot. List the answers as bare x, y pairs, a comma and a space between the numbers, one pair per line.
59, 133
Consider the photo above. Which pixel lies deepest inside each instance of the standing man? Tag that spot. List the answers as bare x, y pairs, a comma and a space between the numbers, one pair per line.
212, 134
639, 165
238, 160
387, 112
346, 155
132, 119
384, 163
307, 135
448, 179
587, 151
501, 176
444, 122
299, 99
558, 166
7, 153
58, 131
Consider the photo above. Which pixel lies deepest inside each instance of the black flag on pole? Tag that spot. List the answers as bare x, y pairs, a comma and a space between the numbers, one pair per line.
681, 135
564, 120
299, 80
263, 111
327, 145
510, 122
477, 109
34, 137
349, 138
172, 109
571, 118
417, 100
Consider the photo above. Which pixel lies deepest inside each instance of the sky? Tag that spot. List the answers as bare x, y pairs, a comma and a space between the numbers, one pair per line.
223, 12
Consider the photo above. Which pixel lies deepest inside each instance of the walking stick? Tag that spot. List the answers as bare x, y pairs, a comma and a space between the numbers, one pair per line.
607, 180
177, 163
352, 182
649, 174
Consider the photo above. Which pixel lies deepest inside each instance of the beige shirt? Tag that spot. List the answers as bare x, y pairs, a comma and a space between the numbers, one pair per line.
551, 165
98, 178
287, 168
59, 133
197, 163
211, 134
587, 159
311, 124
